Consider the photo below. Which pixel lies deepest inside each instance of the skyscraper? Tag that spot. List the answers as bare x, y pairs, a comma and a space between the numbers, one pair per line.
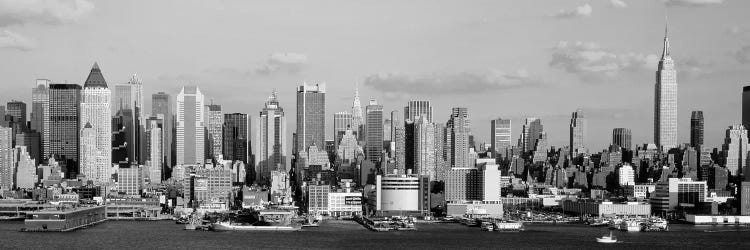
6, 158
17, 109
311, 113
735, 149
39, 110
342, 121
746, 106
215, 130
161, 105
417, 108
424, 148
190, 126
62, 121
622, 137
96, 119
154, 139
236, 140
577, 133
665, 103
398, 133
357, 118
459, 128
270, 148
500, 133
696, 128
532, 130
374, 131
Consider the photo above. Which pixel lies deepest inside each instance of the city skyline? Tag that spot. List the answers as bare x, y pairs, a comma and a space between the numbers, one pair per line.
710, 65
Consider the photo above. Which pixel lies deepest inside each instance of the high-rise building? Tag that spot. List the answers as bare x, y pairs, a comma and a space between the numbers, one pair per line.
348, 147
399, 145
500, 133
7, 171
26, 176
215, 130
416, 109
459, 128
532, 130
424, 148
17, 110
696, 128
342, 121
665, 103
626, 175
31, 141
578, 133
62, 121
735, 149
236, 137
154, 147
120, 141
95, 118
745, 198
311, 113
190, 126
271, 149
162, 105
622, 137
357, 117
39, 109
387, 130
374, 131
746, 106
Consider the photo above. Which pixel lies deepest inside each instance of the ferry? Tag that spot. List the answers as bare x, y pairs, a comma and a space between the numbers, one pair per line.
655, 225
508, 226
607, 239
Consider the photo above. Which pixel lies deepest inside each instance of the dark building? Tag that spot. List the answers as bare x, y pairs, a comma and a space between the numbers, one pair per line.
745, 198
127, 121
236, 140
64, 101
161, 105
746, 106
696, 129
119, 142
622, 137
409, 150
17, 110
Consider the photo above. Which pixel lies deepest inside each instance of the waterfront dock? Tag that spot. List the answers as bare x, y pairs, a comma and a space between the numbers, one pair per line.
64, 219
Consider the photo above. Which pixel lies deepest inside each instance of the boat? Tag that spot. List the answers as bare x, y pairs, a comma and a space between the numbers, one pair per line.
229, 226
469, 222
655, 225
194, 222
630, 226
508, 226
488, 226
311, 221
599, 223
607, 239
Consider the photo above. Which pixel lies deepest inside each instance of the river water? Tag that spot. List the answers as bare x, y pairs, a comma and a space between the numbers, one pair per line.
349, 235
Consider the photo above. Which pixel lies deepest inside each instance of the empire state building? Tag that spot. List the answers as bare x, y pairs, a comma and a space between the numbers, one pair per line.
665, 103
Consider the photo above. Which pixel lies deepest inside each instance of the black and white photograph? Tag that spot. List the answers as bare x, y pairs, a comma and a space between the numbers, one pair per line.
374, 124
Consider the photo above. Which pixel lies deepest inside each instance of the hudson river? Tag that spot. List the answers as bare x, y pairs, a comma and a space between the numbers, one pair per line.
349, 235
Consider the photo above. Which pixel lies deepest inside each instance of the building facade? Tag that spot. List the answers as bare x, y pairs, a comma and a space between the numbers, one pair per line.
578, 133
190, 126
665, 103
500, 135
96, 159
63, 121
271, 151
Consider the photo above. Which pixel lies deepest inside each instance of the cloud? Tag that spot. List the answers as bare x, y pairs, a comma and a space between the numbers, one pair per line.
618, 3
692, 2
43, 11
283, 62
691, 67
449, 83
591, 62
10, 40
743, 55
580, 11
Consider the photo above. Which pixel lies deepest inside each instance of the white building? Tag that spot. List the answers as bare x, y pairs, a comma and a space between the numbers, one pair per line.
678, 192
271, 145
190, 126
665, 110
96, 128
626, 175
6, 158
215, 130
129, 180
397, 193
156, 157
735, 149
25, 170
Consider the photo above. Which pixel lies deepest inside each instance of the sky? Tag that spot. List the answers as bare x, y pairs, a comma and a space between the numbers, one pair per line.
509, 59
